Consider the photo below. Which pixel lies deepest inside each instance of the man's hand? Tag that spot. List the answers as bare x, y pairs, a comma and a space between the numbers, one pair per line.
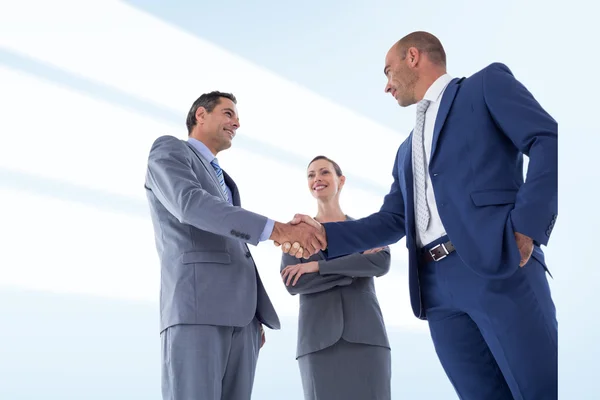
262, 336
525, 245
375, 250
307, 234
297, 271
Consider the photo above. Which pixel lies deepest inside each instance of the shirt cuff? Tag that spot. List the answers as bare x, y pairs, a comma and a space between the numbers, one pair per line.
266, 233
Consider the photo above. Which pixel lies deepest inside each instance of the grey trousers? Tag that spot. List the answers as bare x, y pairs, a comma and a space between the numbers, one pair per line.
347, 371
205, 362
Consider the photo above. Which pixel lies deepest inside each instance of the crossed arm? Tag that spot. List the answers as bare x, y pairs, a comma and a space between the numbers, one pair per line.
318, 276
307, 283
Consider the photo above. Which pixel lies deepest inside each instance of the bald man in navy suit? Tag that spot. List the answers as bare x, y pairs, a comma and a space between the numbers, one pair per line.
473, 226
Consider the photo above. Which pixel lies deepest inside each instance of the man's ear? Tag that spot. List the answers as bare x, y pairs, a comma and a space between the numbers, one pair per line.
200, 114
413, 56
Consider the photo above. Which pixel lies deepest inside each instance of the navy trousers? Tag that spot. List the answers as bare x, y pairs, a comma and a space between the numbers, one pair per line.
495, 339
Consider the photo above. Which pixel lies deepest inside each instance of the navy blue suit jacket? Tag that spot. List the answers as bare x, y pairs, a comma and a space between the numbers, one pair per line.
484, 125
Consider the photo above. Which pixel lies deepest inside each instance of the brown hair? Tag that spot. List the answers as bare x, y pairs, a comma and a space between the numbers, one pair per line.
336, 167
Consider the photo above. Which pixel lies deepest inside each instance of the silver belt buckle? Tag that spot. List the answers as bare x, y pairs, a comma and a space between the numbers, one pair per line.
435, 258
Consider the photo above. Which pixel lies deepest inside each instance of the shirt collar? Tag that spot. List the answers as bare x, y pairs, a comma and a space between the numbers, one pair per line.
435, 91
202, 149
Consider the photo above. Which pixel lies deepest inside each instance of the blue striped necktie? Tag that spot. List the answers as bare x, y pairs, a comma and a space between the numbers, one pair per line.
219, 172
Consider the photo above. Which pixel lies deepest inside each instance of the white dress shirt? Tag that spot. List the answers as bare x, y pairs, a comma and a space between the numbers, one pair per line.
435, 230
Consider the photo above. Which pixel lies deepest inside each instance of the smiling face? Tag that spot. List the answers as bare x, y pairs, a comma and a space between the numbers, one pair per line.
323, 180
218, 127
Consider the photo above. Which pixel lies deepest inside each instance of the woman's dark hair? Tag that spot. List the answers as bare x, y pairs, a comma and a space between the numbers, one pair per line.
338, 170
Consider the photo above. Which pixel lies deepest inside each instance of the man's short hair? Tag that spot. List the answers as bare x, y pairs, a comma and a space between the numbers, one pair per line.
425, 42
209, 101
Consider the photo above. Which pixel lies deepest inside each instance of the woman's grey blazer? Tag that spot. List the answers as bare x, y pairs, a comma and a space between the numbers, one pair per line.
339, 301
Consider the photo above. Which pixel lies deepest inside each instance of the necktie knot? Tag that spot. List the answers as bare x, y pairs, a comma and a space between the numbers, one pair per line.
217, 168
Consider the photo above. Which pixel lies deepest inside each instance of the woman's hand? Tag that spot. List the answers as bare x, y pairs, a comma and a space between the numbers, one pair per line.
375, 250
297, 271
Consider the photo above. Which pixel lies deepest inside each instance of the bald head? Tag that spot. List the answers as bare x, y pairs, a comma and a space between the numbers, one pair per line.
425, 43
412, 65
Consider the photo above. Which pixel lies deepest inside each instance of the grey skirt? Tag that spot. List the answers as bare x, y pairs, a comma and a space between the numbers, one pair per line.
347, 371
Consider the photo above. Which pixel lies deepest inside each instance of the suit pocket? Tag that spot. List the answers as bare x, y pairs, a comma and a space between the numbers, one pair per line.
213, 257
494, 197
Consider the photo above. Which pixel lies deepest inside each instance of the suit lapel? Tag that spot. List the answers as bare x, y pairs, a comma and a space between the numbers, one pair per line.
236, 196
209, 168
228, 181
443, 111
234, 190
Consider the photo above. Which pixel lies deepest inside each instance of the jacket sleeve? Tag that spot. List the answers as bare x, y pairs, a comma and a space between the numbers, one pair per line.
535, 133
379, 229
171, 179
358, 265
313, 282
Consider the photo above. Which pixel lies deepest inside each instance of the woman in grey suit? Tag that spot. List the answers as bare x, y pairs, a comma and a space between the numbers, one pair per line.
343, 350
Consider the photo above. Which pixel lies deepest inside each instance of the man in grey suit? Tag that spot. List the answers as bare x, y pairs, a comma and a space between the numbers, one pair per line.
212, 301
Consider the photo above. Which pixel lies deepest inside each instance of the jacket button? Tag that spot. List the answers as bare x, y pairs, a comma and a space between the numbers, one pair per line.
248, 255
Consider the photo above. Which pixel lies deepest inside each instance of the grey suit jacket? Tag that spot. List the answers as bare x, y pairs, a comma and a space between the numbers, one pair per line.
339, 301
208, 275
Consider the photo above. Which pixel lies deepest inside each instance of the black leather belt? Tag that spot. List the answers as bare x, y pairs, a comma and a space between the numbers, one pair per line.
437, 252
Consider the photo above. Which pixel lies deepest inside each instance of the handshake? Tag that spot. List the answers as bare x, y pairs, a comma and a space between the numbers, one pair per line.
301, 237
